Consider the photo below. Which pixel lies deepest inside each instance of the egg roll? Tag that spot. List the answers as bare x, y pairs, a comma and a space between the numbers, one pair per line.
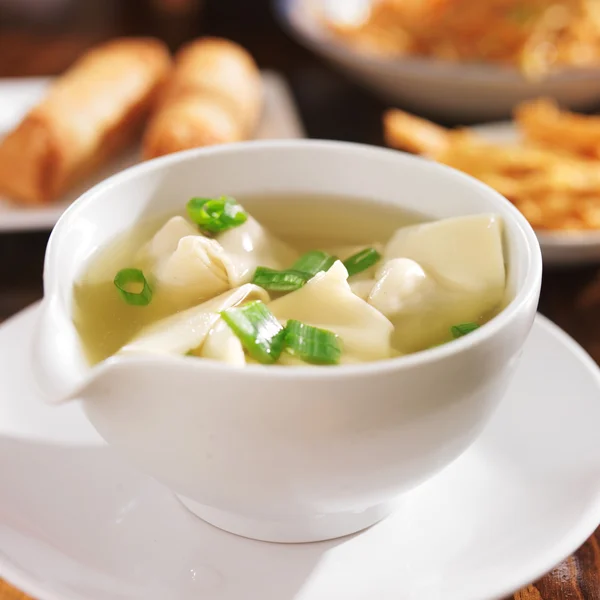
89, 114
213, 96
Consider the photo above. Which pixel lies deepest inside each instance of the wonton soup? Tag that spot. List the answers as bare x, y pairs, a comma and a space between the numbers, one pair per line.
290, 281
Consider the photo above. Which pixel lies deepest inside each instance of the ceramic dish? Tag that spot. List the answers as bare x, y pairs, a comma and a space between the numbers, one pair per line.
289, 476
465, 93
280, 120
78, 524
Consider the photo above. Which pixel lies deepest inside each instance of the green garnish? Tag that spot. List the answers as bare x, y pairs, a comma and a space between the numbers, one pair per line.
264, 338
133, 287
259, 331
215, 215
311, 344
289, 280
459, 331
361, 261
279, 281
314, 262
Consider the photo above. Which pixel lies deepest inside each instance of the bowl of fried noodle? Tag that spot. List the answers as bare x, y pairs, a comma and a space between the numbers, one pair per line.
460, 59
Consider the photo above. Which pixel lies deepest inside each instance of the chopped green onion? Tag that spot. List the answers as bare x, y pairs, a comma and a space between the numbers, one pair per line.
311, 344
459, 331
302, 270
133, 287
259, 331
279, 281
361, 261
313, 262
216, 215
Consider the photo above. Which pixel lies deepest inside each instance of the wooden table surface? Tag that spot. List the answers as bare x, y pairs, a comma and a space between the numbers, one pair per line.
331, 108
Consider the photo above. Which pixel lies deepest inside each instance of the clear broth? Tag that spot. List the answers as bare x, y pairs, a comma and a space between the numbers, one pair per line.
105, 323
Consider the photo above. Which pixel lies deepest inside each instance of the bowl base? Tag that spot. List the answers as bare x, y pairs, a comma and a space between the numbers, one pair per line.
293, 529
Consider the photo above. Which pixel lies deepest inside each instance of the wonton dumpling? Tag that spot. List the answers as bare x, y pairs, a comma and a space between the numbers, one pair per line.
195, 271
223, 345
250, 245
164, 242
185, 263
187, 330
401, 286
327, 301
462, 253
440, 274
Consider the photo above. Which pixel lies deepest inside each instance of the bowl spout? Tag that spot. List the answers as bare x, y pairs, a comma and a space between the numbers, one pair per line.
60, 369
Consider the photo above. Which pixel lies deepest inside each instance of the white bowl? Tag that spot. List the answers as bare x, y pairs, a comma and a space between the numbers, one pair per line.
280, 454
460, 92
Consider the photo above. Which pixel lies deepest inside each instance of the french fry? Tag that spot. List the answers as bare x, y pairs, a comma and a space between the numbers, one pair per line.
543, 123
404, 131
551, 178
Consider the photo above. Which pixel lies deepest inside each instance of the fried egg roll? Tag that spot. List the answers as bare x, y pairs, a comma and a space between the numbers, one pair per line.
213, 96
89, 114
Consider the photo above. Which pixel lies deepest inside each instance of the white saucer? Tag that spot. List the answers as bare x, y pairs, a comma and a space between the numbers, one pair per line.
280, 120
76, 524
558, 247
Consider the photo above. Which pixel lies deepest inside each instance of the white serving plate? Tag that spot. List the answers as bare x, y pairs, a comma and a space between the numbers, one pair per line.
77, 524
559, 247
280, 120
461, 92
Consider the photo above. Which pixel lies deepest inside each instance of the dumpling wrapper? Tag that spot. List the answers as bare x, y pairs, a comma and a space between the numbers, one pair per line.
401, 286
327, 302
187, 330
455, 274
461, 253
186, 264
195, 271
223, 345
164, 242
250, 245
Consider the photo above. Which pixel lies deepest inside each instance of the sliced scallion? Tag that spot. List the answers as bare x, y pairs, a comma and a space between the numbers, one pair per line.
459, 331
311, 344
215, 215
133, 287
314, 262
259, 331
279, 281
361, 261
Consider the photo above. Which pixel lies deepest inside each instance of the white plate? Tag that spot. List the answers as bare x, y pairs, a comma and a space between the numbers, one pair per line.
560, 247
280, 120
76, 524
462, 92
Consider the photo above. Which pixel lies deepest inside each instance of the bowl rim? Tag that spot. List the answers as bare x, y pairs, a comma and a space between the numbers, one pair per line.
528, 292
421, 67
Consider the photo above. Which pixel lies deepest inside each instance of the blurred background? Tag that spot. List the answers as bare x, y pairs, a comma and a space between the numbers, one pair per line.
63, 28
43, 37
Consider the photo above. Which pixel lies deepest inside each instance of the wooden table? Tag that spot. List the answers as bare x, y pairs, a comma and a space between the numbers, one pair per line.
331, 108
